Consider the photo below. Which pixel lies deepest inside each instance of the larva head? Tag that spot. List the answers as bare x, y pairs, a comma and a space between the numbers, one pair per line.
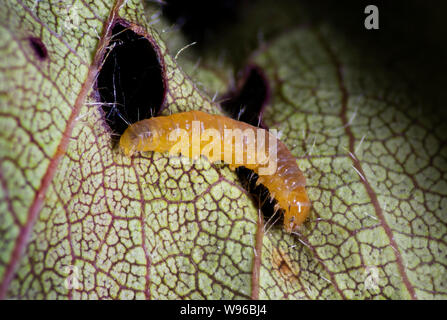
140, 136
296, 211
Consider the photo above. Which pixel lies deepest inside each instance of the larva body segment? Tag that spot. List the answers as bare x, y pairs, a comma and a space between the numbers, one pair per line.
286, 184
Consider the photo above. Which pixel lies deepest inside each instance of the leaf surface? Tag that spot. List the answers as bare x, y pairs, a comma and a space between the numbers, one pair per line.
375, 164
79, 220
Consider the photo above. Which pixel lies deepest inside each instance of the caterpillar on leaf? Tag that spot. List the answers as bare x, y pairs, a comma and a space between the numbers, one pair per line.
233, 142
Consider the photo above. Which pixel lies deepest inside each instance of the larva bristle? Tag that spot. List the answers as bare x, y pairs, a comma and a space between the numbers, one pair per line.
261, 180
286, 184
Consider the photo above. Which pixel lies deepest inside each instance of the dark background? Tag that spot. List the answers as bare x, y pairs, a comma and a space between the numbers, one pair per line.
412, 34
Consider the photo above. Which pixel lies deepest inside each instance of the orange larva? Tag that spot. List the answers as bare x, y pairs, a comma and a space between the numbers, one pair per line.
286, 184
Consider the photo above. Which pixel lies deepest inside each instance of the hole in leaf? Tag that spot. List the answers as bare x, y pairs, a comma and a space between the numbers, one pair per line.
130, 83
39, 47
246, 104
261, 194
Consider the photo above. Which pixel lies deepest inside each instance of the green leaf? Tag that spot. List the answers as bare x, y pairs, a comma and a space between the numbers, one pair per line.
375, 166
79, 220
